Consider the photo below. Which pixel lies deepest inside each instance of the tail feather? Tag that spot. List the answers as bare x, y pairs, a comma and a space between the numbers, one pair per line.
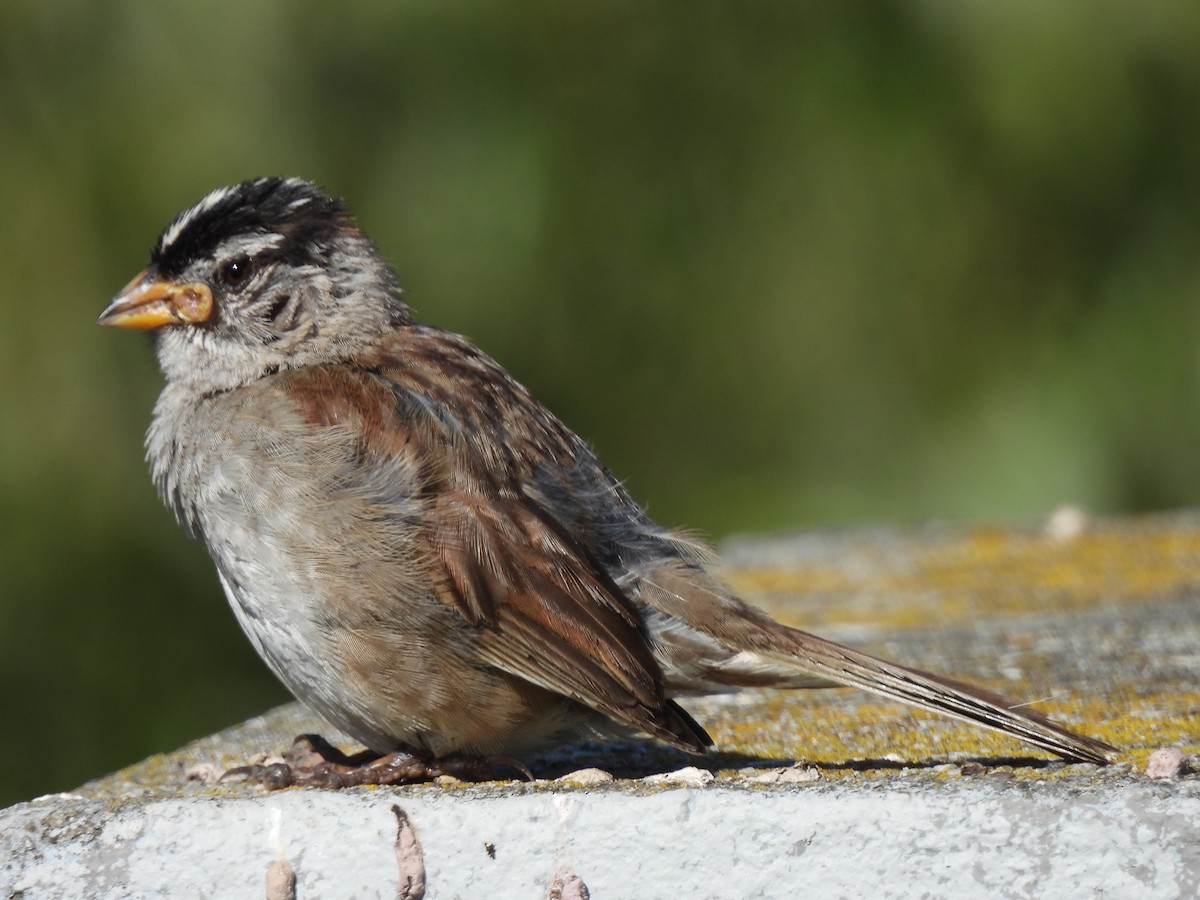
708, 640
932, 692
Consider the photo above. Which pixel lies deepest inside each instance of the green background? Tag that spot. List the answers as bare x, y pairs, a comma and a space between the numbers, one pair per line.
786, 264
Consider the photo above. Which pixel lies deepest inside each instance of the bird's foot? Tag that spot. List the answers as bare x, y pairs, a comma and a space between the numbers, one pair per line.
314, 762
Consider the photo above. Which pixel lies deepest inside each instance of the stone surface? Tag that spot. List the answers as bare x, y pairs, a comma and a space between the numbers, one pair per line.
902, 836
1098, 623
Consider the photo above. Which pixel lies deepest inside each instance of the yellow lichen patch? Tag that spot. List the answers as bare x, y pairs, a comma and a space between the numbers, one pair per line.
865, 735
1139, 723
850, 735
981, 572
791, 581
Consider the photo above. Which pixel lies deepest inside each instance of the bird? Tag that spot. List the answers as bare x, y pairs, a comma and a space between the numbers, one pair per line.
422, 552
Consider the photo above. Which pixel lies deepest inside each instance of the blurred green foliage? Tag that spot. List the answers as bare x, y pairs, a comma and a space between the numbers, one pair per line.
786, 264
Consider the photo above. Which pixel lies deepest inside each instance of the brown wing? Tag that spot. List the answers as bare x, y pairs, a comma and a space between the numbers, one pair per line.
545, 610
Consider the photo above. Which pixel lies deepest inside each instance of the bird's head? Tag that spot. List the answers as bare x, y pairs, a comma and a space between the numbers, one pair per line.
268, 274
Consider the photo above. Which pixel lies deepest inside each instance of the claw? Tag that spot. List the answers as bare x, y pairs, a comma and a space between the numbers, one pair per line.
313, 762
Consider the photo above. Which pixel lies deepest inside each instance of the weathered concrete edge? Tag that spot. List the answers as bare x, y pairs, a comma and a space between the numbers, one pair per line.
964, 839
1048, 830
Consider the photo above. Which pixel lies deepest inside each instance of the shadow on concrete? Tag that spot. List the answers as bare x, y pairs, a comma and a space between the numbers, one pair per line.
639, 759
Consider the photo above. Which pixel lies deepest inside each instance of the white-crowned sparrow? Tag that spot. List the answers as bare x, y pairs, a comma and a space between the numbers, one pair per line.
420, 550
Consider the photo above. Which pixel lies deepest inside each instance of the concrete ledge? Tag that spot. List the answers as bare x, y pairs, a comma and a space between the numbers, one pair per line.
1101, 618
898, 837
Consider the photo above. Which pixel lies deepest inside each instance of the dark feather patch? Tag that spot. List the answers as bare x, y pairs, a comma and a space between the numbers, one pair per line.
302, 212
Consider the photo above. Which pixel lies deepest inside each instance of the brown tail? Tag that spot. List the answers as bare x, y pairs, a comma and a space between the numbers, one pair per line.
928, 691
765, 653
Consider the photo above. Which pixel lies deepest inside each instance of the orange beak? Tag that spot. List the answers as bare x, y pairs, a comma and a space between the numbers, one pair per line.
150, 302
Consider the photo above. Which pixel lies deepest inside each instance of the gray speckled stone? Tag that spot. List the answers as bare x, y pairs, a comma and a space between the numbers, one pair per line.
894, 838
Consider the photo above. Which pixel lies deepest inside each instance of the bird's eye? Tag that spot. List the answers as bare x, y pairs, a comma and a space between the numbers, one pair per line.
235, 272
